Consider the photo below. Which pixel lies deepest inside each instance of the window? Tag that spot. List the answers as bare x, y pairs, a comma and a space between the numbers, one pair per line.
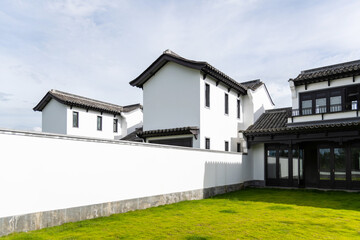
207, 143
115, 126
238, 147
320, 104
271, 164
99, 123
75, 119
354, 105
207, 95
238, 108
306, 107
226, 103
226, 146
335, 104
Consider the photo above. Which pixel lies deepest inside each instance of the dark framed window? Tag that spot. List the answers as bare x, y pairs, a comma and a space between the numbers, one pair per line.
115, 125
75, 119
226, 146
238, 147
207, 143
330, 100
207, 95
238, 108
226, 103
99, 123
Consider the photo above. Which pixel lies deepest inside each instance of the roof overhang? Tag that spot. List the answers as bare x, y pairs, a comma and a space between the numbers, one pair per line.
169, 132
203, 67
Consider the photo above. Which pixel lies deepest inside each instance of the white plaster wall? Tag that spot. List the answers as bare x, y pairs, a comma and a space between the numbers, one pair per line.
171, 98
256, 153
134, 119
54, 117
320, 86
248, 111
36, 176
215, 124
261, 101
88, 124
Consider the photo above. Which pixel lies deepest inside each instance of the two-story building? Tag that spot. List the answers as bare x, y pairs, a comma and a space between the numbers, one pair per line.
191, 103
66, 113
316, 143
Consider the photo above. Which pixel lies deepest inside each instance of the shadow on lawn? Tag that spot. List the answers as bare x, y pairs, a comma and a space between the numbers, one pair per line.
300, 197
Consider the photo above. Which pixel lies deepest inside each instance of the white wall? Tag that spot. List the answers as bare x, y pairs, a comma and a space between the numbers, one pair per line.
257, 154
54, 117
40, 172
215, 124
261, 101
134, 119
88, 124
171, 98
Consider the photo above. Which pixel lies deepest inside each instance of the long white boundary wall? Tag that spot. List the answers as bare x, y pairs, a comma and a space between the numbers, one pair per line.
42, 172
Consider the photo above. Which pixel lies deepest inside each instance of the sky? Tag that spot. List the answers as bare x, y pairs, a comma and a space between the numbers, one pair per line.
94, 48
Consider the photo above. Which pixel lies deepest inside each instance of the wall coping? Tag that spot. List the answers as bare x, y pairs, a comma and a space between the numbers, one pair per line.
103, 140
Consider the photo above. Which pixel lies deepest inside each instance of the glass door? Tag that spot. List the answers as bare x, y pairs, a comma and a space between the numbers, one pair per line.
332, 167
325, 167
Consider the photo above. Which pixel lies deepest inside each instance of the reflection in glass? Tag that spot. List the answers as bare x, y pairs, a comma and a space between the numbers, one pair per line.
295, 163
284, 163
320, 104
355, 164
306, 107
271, 163
340, 164
301, 159
324, 163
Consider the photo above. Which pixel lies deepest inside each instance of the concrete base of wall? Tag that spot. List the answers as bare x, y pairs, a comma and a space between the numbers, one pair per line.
39, 220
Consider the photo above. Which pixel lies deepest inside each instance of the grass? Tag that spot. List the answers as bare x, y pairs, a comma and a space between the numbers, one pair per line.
247, 214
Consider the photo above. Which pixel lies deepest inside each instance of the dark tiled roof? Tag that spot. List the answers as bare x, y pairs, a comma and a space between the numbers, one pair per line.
205, 67
347, 69
253, 84
275, 121
168, 132
79, 101
132, 107
133, 136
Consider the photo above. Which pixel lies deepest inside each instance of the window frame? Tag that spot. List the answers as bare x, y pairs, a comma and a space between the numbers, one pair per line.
99, 126
75, 113
226, 146
238, 104
226, 103
207, 95
207, 143
115, 125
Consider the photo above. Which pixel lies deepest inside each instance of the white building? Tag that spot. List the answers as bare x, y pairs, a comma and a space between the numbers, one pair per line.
191, 103
66, 113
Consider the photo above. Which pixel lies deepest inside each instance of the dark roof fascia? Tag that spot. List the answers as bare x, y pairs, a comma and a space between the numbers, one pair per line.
168, 132
202, 66
46, 99
325, 78
159, 63
304, 129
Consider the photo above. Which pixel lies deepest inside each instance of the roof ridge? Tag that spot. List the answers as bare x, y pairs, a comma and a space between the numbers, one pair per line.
278, 110
251, 81
331, 66
81, 97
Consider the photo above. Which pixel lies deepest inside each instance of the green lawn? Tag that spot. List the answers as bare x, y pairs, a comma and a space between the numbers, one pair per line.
246, 214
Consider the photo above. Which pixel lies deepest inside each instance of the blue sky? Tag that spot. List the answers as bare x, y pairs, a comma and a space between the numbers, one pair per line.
94, 48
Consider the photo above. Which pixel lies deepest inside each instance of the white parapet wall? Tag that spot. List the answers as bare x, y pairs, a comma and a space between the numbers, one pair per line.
43, 172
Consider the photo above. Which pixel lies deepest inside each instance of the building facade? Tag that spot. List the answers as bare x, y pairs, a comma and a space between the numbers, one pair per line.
316, 142
70, 114
191, 103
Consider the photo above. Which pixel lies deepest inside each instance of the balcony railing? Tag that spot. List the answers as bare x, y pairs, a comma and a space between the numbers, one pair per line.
323, 109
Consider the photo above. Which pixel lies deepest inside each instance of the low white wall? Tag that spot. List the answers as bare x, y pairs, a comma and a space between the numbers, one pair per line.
40, 172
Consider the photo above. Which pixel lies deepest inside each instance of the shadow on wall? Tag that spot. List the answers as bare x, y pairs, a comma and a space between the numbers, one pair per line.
258, 112
223, 177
